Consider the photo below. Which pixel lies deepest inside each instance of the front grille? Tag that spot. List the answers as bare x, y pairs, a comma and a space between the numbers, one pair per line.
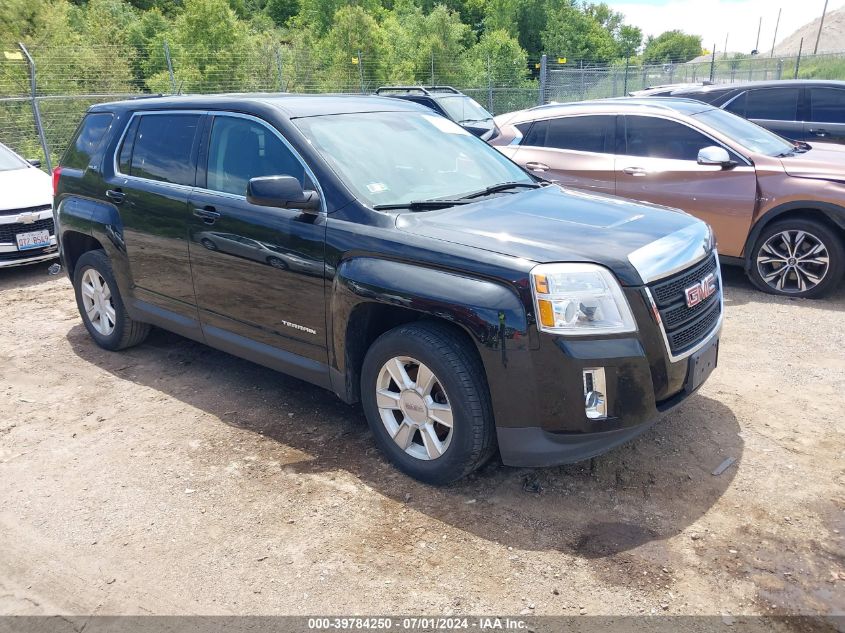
687, 326
45, 207
8, 231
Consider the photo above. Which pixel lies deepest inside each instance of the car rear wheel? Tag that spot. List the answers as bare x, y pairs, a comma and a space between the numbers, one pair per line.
797, 258
101, 306
427, 402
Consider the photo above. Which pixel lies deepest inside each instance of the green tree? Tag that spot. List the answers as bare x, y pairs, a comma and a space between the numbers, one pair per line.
573, 33
629, 40
671, 46
281, 11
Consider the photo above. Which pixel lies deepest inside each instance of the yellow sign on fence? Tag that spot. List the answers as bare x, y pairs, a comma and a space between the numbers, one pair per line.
15, 55
354, 60
561, 60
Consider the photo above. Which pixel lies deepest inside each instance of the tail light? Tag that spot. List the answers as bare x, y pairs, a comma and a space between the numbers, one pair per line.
57, 173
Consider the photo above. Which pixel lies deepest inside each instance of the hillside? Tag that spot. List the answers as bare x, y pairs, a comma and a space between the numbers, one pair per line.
832, 40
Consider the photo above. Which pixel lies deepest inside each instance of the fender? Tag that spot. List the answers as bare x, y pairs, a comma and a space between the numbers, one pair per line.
491, 313
833, 212
102, 222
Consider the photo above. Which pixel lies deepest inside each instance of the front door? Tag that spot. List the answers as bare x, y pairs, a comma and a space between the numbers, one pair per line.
660, 165
576, 151
826, 120
258, 271
156, 167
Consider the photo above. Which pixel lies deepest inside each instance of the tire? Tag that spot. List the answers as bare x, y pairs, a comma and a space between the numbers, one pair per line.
125, 332
784, 245
458, 384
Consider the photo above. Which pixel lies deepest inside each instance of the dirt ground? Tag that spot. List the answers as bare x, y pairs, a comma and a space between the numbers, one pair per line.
175, 479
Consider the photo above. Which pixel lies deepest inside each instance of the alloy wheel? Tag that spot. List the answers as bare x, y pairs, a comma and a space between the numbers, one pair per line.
97, 301
793, 261
414, 408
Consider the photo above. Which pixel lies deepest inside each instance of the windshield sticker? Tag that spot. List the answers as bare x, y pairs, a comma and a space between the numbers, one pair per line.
377, 187
445, 125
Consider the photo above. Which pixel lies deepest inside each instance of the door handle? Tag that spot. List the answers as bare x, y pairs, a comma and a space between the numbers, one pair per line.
537, 166
115, 195
635, 171
208, 214
819, 132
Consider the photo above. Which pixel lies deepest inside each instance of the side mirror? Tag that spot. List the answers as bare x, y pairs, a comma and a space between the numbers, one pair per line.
715, 156
283, 192
34, 162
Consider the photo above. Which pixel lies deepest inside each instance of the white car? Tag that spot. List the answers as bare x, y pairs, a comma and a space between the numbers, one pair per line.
27, 233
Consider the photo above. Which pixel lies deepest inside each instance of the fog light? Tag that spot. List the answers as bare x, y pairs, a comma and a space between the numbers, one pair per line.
595, 390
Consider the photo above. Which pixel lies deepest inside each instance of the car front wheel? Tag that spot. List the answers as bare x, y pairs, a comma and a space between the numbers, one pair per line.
797, 258
427, 403
101, 305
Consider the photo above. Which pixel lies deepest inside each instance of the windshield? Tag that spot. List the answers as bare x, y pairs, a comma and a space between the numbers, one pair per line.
463, 109
750, 135
10, 160
400, 157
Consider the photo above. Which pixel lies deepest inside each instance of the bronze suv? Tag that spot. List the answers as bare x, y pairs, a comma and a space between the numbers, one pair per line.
776, 207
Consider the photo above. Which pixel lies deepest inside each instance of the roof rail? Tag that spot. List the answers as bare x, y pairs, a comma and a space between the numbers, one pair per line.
425, 90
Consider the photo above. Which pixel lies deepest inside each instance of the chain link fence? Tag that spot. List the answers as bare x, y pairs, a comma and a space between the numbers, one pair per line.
67, 82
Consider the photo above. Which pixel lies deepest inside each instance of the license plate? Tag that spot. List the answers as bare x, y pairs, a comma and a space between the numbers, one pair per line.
33, 239
701, 365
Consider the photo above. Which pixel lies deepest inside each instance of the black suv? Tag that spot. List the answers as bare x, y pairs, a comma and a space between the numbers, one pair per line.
448, 102
801, 110
380, 251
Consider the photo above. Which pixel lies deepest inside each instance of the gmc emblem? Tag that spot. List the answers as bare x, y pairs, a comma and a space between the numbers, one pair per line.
697, 293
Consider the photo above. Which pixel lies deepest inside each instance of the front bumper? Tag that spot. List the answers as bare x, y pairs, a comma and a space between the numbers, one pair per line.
636, 402
21, 221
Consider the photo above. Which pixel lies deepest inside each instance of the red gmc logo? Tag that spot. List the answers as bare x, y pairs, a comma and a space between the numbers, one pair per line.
699, 292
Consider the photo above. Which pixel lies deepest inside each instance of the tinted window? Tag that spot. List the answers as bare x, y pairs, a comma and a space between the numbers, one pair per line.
737, 106
125, 157
163, 146
88, 138
241, 149
773, 104
827, 105
661, 138
536, 135
581, 133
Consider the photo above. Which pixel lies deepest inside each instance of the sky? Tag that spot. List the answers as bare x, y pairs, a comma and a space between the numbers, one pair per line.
714, 19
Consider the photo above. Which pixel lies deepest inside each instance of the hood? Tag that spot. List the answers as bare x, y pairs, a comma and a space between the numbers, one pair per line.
552, 224
23, 188
825, 161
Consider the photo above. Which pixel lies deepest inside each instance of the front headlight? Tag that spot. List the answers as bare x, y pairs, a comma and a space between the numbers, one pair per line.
579, 299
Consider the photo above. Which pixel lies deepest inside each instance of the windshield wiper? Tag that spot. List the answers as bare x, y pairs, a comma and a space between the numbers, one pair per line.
502, 186
420, 205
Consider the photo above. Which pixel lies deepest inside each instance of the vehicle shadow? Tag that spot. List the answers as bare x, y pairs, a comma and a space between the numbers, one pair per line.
648, 490
739, 291
25, 276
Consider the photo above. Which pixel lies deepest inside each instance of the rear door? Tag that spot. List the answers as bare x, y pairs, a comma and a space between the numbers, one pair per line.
258, 271
577, 151
660, 165
826, 119
776, 109
154, 172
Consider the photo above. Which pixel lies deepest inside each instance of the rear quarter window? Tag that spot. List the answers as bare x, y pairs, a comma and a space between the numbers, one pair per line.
88, 138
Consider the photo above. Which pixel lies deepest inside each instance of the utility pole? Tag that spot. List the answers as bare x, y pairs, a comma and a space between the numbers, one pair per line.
775, 38
713, 63
757, 46
821, 24
725, 55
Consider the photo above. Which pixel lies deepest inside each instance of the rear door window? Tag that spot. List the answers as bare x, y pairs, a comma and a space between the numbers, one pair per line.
772, 104
827, 105
654, 137
162, 148
582, 134
87, 140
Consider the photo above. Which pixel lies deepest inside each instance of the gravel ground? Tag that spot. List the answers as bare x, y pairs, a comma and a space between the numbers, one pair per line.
175, 479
